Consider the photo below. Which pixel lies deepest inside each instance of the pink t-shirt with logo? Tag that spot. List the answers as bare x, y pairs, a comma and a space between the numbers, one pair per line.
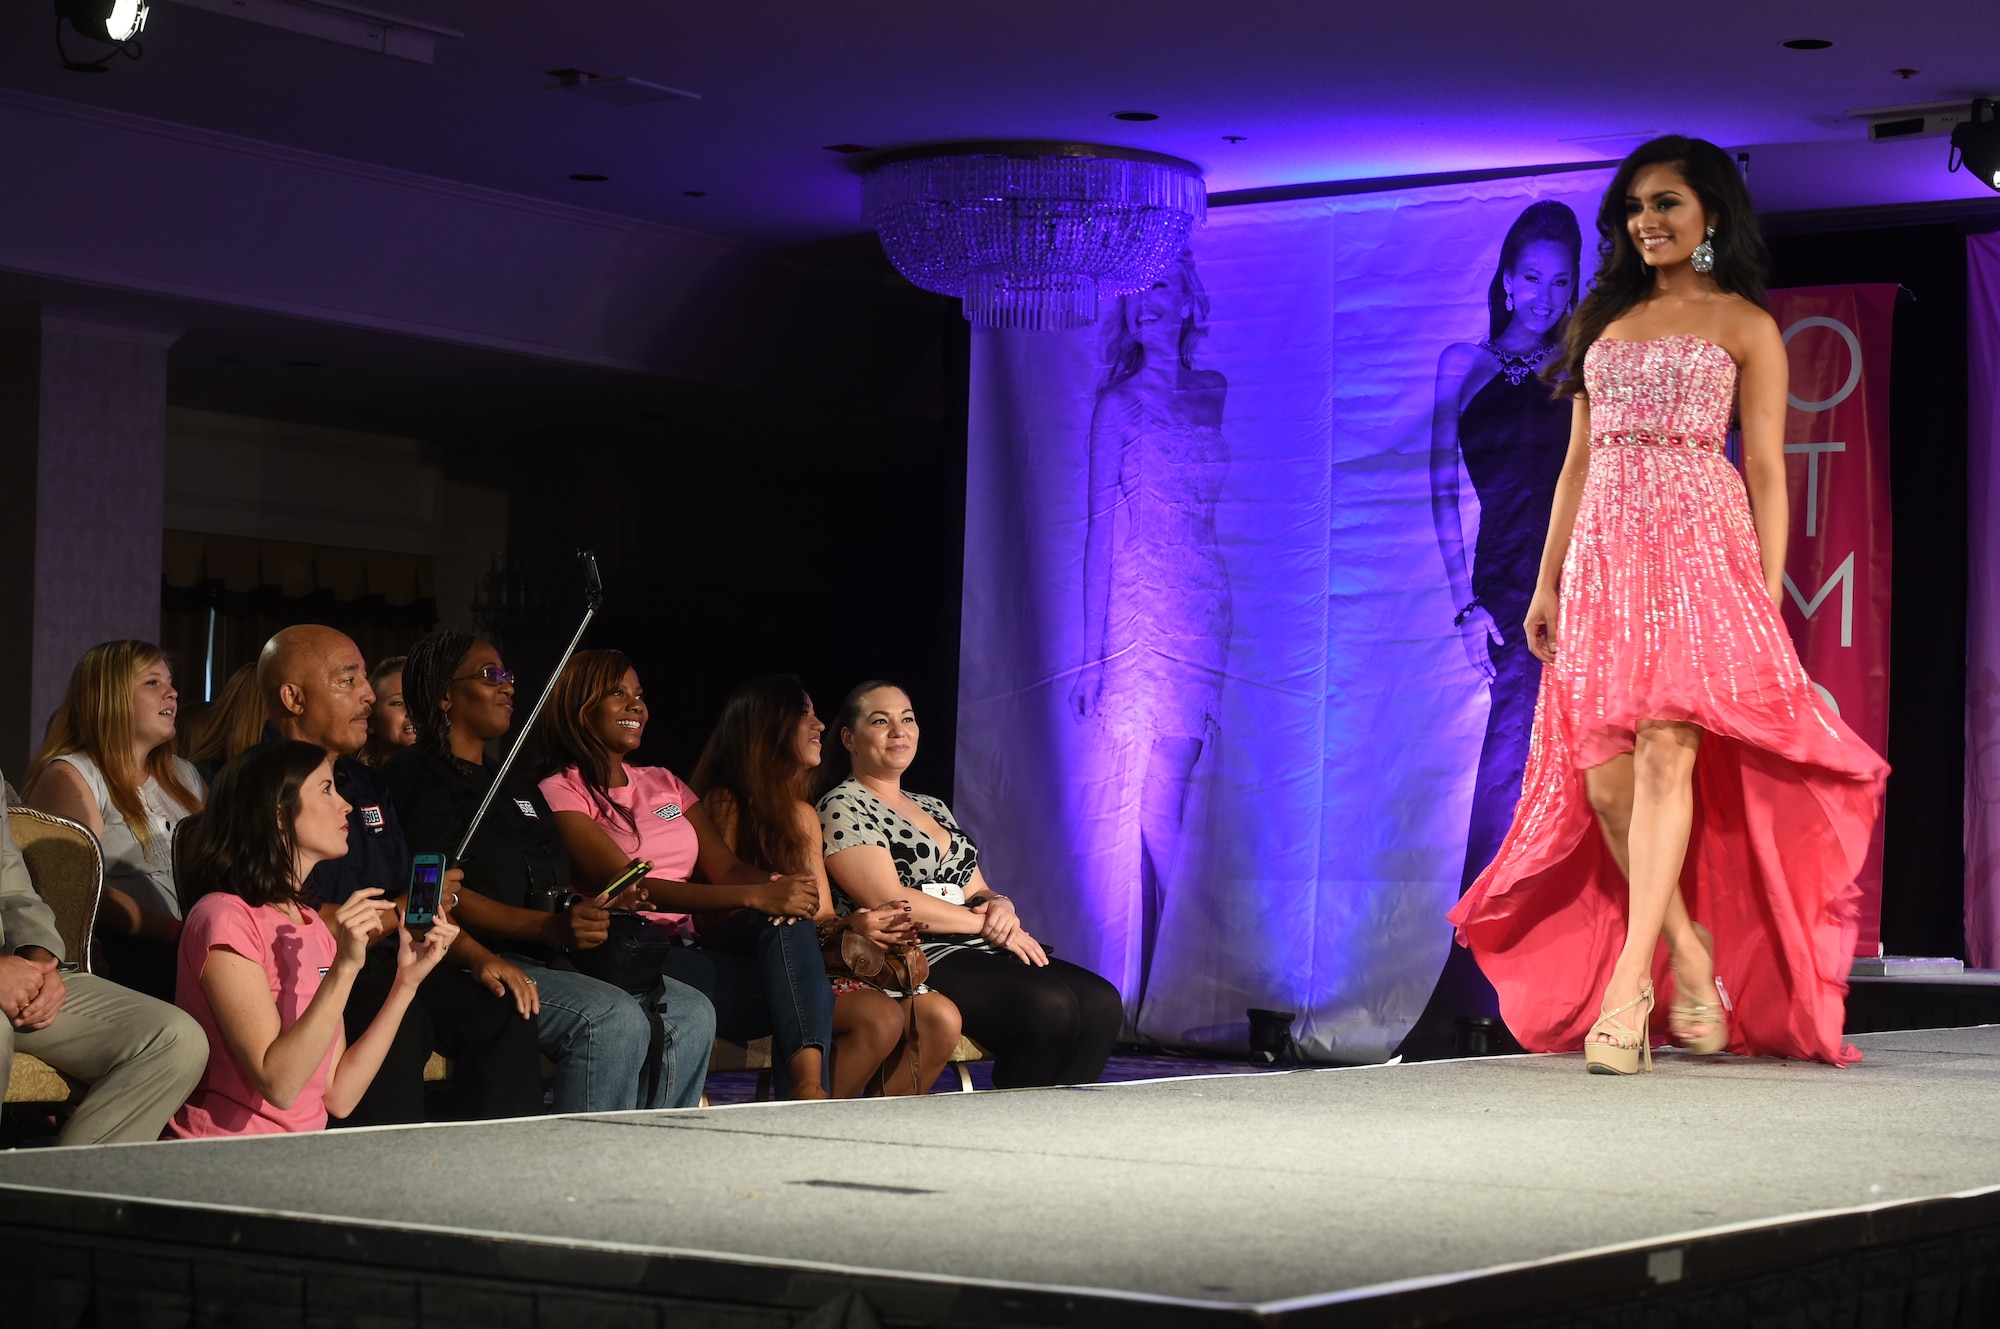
659, 802
294, 957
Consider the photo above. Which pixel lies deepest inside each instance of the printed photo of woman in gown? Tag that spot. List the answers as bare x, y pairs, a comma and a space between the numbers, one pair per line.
1493, 411
1157, 612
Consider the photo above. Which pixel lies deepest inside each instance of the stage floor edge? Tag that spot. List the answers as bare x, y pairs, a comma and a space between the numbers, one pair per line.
1386, 1171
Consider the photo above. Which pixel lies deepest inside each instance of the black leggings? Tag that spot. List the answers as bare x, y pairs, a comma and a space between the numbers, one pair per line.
1043, 1026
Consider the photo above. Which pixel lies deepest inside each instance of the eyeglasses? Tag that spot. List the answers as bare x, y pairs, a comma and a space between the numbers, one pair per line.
491, 673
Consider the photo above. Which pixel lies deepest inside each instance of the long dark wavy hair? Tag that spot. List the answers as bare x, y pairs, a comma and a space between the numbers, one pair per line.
752, 759
1623, 279
564, 739
246, 841
1546, 220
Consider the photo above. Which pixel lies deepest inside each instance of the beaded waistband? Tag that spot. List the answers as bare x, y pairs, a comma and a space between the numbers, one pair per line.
1646, 438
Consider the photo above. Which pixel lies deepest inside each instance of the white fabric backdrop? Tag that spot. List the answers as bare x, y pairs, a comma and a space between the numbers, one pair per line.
1273, 598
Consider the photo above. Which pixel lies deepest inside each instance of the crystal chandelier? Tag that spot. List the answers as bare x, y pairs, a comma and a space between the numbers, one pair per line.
1031, 234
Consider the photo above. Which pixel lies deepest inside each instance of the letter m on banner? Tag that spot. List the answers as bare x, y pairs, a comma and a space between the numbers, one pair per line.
1837, 472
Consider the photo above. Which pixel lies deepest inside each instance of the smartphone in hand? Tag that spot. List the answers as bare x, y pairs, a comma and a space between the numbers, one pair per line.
426, 891
632, 874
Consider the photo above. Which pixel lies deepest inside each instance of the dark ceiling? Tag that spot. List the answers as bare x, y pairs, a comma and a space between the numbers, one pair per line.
1315, 90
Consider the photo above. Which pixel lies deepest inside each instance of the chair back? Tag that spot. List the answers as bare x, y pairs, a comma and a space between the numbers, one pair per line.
67, 866
183, 837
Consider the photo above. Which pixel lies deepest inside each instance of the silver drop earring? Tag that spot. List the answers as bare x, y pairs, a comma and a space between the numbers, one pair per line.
1703, 258
1510, 302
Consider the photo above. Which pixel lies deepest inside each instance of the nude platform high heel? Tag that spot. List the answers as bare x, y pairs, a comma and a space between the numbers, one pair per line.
1620, 1057
1684, 1014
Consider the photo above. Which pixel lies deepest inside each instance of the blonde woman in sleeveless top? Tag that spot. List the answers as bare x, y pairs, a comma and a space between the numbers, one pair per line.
108, 763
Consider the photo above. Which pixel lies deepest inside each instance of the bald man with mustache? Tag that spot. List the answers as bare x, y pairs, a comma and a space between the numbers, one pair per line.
477, 1010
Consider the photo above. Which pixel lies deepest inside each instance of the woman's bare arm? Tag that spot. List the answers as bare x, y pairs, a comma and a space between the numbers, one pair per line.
1764, 379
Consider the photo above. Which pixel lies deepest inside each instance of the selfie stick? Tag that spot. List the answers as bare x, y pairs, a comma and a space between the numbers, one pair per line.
593, 596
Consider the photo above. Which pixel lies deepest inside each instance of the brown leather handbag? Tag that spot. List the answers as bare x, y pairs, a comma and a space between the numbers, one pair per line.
899, 971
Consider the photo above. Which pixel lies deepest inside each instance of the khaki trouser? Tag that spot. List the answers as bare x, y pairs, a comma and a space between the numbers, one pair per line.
141, 1058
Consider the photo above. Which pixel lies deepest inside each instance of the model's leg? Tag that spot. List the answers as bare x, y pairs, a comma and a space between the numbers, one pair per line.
1610, 789
866, 1028
1163, 798
1611, 793
938, 1028
1656, 844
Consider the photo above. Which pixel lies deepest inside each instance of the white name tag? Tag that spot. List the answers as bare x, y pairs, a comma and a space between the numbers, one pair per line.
371, 817
667, 812
527, 808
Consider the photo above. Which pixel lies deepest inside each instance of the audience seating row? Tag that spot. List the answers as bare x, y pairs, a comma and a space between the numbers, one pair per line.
67, 867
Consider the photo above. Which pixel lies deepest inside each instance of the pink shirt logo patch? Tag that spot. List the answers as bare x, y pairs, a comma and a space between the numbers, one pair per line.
667, 811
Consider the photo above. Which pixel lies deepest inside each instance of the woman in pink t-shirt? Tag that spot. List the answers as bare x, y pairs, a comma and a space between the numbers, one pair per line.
751, 946
258, 969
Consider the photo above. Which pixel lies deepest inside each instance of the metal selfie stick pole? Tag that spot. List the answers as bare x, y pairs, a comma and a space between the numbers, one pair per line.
593, 595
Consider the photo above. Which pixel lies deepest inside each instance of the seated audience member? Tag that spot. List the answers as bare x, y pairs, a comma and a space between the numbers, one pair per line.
108, 762
262, 973
762, 979
231, 725
611, 1053
139, 1056
389, 727
476, 1009
1046, 1021
755, 781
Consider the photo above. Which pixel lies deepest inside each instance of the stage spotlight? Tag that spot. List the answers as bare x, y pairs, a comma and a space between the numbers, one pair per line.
113, 21
1976, 145
118, 22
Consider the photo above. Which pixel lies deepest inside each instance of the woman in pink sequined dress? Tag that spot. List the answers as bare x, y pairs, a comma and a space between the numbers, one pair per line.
1685, 781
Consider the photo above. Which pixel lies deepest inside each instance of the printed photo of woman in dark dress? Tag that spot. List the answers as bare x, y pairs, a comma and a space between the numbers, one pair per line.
1494, 413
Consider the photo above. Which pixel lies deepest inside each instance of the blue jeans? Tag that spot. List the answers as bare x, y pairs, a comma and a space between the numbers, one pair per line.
765, 979
597, 1036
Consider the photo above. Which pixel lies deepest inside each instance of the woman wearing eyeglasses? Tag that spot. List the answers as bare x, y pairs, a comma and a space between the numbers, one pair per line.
517, 875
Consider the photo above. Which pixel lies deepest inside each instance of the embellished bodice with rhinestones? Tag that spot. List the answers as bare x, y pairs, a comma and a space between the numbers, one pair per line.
1677, 389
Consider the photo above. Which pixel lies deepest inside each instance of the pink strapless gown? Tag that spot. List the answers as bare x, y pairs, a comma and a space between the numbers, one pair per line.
1664, 616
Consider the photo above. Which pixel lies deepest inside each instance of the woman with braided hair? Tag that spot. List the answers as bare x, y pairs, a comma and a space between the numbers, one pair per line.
517, 874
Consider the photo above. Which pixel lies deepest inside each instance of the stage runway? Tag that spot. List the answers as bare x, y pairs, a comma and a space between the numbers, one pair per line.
1398, 1194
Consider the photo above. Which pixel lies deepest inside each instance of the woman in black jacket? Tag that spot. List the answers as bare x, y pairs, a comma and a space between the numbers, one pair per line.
516, 886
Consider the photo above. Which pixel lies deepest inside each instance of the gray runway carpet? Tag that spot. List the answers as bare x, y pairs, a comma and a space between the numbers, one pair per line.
1252, 1189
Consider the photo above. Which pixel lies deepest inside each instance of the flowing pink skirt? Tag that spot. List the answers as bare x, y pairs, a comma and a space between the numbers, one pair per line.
1664, 616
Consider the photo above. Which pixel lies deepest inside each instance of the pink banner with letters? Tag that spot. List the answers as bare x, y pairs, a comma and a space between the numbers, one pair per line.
1837, 469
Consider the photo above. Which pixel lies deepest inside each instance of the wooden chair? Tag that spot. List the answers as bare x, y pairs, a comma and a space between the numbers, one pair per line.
177, 851
66, 864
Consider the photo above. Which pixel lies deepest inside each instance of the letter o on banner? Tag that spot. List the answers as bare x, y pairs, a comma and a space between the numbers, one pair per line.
1853, 361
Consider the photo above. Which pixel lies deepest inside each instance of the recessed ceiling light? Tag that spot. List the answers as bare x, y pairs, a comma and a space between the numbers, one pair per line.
1806, 44
848, 148
591, 178
694, 193
1133, 115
